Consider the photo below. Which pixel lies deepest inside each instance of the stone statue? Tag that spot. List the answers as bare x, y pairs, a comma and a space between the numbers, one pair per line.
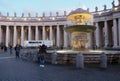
0, 14
22, 14
29, 15
65, 13
105, 7
88, 9
36, 14
7, 13
50, 13
43, 14
96, 8
57, 13
118, 2
113, 3
15, 14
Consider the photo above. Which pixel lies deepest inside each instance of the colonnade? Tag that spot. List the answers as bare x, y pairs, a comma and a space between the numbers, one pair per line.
17, 34
107, 33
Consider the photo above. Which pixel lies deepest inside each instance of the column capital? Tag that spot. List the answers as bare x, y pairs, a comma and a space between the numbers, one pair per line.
7, 25
50, 25
36, 25
22, 25
43, 25
105, 20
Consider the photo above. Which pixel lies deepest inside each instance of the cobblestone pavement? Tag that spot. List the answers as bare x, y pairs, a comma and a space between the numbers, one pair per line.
16, 69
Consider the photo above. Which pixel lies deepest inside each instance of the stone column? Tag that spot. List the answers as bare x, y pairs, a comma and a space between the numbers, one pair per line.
7, 36
22, 35
65, 39
106, 34
58, 36
51, 33
115, 32
97, 35
15, 36
29, 33
119, 30
0, 34
36, 33
89, 44
43, 33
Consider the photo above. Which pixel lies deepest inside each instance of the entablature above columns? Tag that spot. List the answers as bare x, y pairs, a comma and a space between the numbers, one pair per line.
116, 15
34, 23
107, 18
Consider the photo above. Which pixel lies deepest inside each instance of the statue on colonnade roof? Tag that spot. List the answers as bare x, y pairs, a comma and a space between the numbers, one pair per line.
118, 2
105, 7
113, 4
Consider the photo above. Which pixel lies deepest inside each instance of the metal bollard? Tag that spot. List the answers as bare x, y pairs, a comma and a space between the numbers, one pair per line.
80, 61
54, 58
103, 61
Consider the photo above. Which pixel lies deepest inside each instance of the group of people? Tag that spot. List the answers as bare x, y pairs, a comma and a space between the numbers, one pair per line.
17, 48
10, 48
4, 48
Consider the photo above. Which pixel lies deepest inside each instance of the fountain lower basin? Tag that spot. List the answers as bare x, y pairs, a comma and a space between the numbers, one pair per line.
90, 56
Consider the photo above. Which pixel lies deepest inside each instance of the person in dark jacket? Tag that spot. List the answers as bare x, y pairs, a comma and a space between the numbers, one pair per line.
41, 53
10, 47
17, 50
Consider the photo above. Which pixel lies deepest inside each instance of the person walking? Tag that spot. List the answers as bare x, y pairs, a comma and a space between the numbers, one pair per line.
5, 48
10, 47
17, 50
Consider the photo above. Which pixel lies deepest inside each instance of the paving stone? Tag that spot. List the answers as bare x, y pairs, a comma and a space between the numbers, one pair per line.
16, 69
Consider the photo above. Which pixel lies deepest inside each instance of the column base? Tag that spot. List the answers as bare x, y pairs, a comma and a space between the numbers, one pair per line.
106, 46
116, 46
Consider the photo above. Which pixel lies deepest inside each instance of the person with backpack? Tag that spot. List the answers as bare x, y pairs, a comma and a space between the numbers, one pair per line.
41, 53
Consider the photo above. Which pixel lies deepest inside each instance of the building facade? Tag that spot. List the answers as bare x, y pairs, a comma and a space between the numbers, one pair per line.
15, 30
107, 22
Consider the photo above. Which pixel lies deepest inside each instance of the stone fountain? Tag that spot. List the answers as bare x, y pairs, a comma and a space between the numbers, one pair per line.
82, 20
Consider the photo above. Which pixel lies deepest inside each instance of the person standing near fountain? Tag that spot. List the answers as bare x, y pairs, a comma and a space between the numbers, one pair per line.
42, 52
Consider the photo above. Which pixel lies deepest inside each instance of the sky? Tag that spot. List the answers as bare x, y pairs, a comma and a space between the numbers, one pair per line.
47, 6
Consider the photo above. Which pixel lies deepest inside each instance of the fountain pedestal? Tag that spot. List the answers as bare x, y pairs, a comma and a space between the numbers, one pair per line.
79, 41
